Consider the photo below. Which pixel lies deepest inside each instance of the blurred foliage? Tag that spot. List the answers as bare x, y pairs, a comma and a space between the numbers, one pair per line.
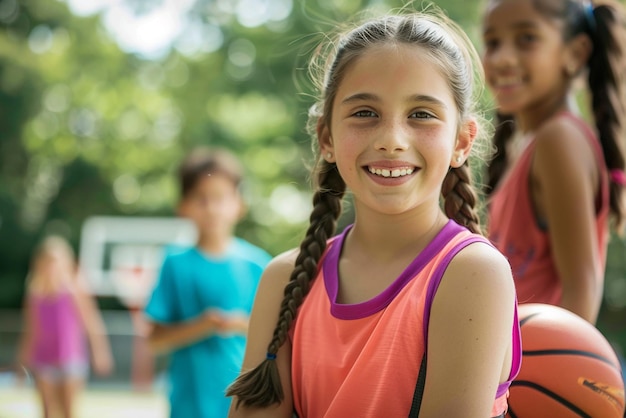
89, 129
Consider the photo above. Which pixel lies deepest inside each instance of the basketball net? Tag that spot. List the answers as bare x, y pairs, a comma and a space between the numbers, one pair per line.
133, 285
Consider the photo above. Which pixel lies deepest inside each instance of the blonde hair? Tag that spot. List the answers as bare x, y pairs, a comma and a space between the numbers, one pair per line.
50, 245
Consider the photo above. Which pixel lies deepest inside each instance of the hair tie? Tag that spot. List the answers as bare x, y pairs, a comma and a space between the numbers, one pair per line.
270, 356
590, 18
618, 176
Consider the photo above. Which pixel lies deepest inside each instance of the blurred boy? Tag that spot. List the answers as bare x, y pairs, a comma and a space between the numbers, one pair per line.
199, 308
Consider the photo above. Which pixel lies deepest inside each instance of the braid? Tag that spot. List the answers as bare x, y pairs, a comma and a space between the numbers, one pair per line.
503, 133
460, 198
606, 77
261, 386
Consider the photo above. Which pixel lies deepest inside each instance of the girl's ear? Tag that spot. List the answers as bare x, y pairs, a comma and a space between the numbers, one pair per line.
465, 140
577, 54
325, 141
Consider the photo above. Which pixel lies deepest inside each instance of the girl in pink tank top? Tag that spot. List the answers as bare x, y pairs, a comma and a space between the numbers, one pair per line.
554, 181
410, 312
60, 319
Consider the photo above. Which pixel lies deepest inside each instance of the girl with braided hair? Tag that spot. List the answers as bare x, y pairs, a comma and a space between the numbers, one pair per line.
342, 326
554, 181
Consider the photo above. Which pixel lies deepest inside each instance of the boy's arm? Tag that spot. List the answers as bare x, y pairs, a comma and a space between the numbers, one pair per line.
167, 330
167, 337
236, 323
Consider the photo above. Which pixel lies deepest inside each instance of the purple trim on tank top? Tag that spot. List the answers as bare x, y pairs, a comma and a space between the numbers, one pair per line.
381, 301
433, 285
516, 358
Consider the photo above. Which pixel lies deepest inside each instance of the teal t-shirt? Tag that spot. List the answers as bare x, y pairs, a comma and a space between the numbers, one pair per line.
190, 283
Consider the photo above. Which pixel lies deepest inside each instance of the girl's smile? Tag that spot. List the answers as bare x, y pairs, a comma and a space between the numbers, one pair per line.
391, 173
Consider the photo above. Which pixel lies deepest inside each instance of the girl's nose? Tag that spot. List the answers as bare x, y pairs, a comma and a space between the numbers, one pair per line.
393, 138
503, 56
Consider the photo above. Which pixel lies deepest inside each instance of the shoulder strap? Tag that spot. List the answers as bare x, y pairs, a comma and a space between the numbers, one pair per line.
419, 390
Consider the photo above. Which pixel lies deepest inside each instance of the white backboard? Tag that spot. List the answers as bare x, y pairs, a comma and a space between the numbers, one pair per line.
121, 256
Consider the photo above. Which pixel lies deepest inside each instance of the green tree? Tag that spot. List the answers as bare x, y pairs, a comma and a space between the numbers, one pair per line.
90, 129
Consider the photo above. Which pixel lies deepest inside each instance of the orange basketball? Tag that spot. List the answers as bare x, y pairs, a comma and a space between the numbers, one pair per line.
568, 368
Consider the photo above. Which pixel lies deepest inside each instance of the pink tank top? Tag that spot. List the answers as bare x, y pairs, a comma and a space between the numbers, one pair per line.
514, 229
58, 335
360, 359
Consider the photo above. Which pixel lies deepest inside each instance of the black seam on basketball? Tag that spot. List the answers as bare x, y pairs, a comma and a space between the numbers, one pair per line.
552, 395
523, 321
569, 353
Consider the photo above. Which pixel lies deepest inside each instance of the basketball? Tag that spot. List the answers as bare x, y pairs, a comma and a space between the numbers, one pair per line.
568, 368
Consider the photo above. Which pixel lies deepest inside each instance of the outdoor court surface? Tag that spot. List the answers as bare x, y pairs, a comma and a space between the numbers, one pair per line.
94, 403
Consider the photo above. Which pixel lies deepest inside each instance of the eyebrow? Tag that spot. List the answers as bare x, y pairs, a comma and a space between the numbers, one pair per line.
525, 24
359, 97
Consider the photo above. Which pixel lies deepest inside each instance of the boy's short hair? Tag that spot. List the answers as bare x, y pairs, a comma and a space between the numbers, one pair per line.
202, 161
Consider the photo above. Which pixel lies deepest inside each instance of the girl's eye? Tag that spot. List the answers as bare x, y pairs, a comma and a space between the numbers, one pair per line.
421, 114
364, 114
526, 39
491, 44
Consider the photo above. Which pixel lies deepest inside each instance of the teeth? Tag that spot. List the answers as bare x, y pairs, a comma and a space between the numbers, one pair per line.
396, 172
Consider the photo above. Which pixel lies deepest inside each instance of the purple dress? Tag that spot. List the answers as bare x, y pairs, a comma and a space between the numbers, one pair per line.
59, 337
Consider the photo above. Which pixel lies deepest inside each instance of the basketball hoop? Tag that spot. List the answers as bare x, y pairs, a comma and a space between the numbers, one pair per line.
133, 284
124, 253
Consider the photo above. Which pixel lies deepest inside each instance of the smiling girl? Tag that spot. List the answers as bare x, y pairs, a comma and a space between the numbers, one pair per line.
409, 311
555, 181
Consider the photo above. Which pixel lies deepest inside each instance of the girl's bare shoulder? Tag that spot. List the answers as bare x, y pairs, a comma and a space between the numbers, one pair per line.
562, 133
565, 152
488, 267
278, 270
275, 277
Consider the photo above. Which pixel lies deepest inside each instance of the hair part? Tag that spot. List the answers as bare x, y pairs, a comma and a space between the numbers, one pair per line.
446, 44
